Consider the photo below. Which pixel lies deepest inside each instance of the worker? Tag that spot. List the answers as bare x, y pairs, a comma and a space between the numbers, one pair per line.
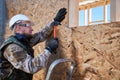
17, 61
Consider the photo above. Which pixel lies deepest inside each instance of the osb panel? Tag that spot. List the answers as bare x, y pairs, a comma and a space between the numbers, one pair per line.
97, 51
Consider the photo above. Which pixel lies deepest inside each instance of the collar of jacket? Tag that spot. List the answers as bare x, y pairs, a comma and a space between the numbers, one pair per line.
21, 37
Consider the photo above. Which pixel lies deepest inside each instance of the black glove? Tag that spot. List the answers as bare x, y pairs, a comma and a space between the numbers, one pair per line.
52, 45
60, 15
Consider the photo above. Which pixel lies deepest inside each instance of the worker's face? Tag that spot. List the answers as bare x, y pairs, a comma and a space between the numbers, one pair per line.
26, 28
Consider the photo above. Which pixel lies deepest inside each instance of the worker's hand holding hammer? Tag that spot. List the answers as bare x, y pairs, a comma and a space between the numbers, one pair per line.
60, 16
52, 45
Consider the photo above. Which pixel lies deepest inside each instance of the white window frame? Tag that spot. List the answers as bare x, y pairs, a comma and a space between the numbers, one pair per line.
88, 16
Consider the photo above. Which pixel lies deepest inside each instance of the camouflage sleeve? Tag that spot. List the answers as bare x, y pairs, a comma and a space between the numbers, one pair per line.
42, 35
21, 60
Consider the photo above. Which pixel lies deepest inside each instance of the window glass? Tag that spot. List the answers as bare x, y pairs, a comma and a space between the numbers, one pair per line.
108, 12
81, 18
97, 13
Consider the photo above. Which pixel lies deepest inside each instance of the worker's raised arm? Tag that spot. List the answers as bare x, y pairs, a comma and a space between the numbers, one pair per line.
47, 31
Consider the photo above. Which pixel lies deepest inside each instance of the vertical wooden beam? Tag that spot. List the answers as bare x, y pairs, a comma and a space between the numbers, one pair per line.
115, 11
106, 11
89, 15
85, 18
73, 13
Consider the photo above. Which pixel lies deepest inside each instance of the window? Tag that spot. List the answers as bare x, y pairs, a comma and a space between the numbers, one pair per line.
96, 15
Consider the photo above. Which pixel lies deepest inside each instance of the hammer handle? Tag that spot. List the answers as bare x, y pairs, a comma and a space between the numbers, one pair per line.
55, 31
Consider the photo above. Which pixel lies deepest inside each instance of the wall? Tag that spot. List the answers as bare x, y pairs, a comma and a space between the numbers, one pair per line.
95, 49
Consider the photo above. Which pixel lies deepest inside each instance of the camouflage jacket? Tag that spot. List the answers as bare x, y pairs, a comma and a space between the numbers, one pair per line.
21, 60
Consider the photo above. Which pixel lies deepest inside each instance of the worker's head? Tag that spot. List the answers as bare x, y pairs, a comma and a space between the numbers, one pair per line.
21, 24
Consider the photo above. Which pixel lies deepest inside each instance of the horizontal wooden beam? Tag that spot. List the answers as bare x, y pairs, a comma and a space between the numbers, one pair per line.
81, 0
94, 4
